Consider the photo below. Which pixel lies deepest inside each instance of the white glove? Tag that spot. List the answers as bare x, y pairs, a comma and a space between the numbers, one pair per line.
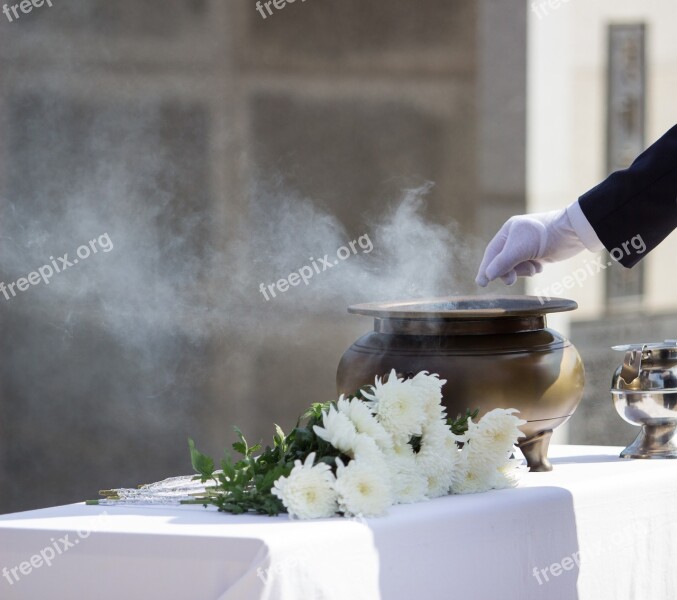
526, 242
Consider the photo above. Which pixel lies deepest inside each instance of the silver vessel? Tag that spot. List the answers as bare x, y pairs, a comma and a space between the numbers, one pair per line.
644, 391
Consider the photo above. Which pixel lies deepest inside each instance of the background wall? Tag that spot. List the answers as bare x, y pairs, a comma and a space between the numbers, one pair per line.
218, 151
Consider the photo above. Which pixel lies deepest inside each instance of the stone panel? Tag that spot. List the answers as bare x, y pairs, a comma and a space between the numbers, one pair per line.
355, 155
93, 394
359, 33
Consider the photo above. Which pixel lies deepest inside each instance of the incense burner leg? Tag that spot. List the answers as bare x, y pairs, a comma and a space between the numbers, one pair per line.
535, 450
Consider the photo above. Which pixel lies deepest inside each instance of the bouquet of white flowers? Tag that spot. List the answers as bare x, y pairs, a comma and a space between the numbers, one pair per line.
390, 443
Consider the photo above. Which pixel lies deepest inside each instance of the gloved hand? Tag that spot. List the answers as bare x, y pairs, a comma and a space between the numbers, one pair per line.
525, 243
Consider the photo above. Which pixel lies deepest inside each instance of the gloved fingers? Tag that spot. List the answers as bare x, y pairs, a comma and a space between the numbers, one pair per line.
494, 247
522, 244
509, 278
528, 268
525, 269
538, 265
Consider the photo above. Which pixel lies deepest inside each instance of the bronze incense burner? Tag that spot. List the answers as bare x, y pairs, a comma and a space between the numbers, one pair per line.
494, 352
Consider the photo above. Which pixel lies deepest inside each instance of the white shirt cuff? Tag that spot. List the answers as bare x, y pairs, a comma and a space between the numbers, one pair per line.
583, 229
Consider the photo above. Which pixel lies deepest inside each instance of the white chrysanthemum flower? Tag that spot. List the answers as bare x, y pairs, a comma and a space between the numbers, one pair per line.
363, 489
409, 486
398, 406
481, 476
498, 428
439, 484
338, 430
492, 439
408, 482
432, 457
480, 461
308, 491
470, 480
400, 451
438, 434
366, 449
365, 423
508, 475
430, 386
439, 440
438, 461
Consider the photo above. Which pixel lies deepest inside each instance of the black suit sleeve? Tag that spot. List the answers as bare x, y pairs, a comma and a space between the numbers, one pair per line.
638, 203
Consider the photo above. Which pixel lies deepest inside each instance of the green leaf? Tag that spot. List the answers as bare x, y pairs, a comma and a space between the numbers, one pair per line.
459, 425
240, 446
279, 439
202, 464
329, 460
304, 436
227, 467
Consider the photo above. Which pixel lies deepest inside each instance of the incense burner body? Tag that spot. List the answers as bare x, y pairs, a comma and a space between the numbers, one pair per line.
493, 352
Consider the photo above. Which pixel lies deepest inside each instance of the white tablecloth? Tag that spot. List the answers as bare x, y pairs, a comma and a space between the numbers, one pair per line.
595, 528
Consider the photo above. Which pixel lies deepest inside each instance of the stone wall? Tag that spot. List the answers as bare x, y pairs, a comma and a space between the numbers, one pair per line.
189, 102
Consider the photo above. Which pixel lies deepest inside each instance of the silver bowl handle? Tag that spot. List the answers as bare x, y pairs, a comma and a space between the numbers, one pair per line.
632, 365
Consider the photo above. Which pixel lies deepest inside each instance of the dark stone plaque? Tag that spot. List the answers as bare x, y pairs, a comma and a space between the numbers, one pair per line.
626, 101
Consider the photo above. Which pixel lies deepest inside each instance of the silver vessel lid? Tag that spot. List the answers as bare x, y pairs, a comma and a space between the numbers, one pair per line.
666, 345
643, 358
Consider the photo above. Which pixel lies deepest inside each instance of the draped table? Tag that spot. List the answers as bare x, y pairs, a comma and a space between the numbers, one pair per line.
595, 528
